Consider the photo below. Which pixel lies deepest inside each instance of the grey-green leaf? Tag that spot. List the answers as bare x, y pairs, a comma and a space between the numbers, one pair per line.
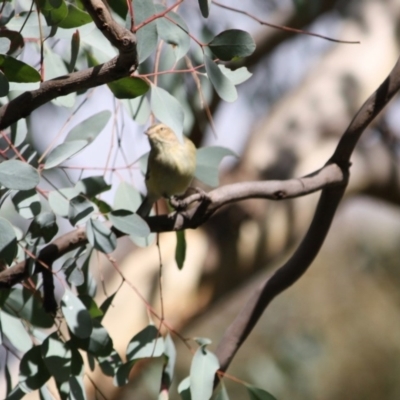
147, 35
222, 85
89, 128
147, 343
79, 210
174, 33
232, 44
8, 242
15, 174
236, 76
76, 315
33, 373
129, 223
92, 186
27, 203
202, 374
167, 109
15, 331
207, 163
100, 236
44, 225
64, 151
57, 357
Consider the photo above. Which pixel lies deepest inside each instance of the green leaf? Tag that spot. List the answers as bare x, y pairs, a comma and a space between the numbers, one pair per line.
15, 174
15, 331
27, 203
23, 304
16, 41
8, 242
44, 225
147, 35
75, 43
33, 373
75, 18
128, 88
167, 109
174, 33
202, 374
89, 128
236, 76
53, 10
207, 163
91, 306
205, 7
4, 85
100, 236
106, 305
57, 357
129, 223
92, 186
258, 394
76, 315
232, 44
63, 152
79, 210
148, 343
180, 250
17, 71
222, 85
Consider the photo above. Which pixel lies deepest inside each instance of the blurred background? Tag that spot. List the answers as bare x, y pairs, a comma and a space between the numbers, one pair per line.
336, 333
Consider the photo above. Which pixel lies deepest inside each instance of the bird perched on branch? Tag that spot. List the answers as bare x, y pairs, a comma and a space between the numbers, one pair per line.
170, 167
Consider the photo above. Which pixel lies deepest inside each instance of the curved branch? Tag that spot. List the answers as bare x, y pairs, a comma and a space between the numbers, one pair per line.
119, 67
330, 175
330, 198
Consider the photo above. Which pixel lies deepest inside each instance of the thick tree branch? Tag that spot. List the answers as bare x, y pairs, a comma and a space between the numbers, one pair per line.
298, 264
118, 67
330, 175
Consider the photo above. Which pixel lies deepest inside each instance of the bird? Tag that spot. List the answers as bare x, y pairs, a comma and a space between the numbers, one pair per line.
170, 167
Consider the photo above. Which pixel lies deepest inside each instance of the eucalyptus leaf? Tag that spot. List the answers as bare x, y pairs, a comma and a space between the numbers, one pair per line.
129, 87
100, 236
258, 394
147, 35
15, 331
148, 343
33, 373
232, 44
8, 242
175, 32
202, 374
92, 186
129, 223
167, 109
76, 315
89, 128
207, 163
180, 250
205, 7
15, 174
222, 85
75, 18
63, 152
27, 203
79, 210
18, 71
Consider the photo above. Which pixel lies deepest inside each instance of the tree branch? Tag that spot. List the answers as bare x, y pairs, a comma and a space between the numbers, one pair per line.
330, 198
121, 66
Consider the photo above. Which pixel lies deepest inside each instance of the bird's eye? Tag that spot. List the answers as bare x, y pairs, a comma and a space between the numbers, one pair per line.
161, 128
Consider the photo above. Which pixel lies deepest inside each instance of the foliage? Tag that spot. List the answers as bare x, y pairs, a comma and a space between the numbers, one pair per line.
36, 28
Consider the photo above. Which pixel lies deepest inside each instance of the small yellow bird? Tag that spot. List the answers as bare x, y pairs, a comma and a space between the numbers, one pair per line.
170, 167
